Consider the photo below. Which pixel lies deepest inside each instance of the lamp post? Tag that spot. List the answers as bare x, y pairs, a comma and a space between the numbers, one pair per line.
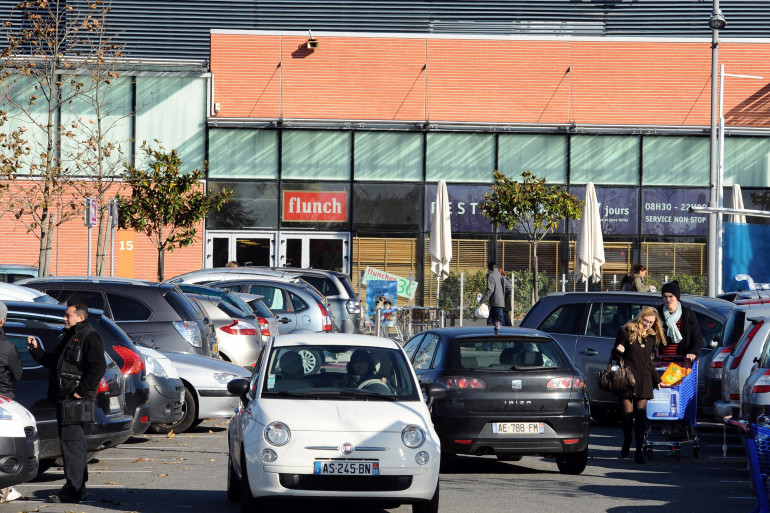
716, 22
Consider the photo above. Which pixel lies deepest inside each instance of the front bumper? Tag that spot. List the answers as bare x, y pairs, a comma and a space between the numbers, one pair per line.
18, 459
166, 400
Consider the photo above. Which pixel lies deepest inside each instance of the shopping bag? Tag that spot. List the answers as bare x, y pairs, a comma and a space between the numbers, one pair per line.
673, 375
482, 311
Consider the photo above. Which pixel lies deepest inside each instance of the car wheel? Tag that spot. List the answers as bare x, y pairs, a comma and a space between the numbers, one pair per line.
311, 361
430, 506
249, 504
508, 457
233, 482
572, 462
189, 416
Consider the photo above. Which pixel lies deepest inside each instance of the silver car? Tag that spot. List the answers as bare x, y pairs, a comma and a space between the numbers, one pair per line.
268, 322
215, 274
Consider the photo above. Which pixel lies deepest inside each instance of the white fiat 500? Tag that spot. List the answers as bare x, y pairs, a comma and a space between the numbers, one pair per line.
357, 428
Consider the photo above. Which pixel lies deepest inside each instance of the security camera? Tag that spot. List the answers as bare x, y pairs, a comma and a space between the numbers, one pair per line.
312, 44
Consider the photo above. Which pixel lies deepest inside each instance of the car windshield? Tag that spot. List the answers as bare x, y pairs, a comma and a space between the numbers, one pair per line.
345, 373
519, 353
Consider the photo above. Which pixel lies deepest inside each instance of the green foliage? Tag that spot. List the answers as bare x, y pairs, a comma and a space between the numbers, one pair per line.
165, 203
690, 283
522, 290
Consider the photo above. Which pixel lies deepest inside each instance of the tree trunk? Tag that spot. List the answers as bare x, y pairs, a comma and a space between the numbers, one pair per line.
104, 224
44, 263
535, 284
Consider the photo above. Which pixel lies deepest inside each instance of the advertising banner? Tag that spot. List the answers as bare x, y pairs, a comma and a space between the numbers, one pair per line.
618, 209
664, 211
403, 289
382, 294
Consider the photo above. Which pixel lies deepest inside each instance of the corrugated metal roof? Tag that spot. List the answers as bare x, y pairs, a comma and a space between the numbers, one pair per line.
179, 29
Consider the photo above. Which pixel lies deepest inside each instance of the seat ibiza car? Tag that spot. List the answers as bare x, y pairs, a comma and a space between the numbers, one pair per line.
342, 433
512, 392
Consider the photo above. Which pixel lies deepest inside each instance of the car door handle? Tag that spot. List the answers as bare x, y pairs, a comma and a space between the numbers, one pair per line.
589, 352
284, 320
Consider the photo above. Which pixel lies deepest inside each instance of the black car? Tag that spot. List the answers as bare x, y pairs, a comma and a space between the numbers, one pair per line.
511, 392
113, 425
586, 324
160, 315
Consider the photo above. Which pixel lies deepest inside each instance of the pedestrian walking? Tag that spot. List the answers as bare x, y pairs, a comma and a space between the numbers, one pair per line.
497, 287
680, 325
76, 368
10, 371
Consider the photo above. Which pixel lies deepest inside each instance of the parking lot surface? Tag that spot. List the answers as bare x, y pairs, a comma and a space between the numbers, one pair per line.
187, 472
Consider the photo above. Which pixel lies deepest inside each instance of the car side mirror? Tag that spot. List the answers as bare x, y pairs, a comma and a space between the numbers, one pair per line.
434, 391
239, 387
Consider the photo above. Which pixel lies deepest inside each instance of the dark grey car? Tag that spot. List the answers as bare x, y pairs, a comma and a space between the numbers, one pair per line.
586, 323
157, 314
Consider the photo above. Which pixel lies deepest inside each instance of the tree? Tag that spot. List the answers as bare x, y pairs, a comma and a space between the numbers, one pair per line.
51, 46
166, 204
531, 205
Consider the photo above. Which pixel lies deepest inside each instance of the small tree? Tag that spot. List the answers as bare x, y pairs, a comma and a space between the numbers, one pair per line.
532, 205
166, 204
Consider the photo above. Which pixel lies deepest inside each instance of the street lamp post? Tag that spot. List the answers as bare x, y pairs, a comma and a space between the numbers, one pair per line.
716, 22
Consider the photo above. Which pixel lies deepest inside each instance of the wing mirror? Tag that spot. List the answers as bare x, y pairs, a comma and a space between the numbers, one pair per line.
434, 391
239, 387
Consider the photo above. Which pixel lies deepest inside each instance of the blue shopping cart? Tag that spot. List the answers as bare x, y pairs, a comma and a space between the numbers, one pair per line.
672, 414
756, 440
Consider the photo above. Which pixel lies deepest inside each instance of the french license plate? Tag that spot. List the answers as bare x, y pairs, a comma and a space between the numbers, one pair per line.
346, 468
518, 428
114, 403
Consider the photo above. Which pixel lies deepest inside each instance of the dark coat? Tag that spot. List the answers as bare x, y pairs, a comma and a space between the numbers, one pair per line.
10, 365
92, 364
692, 340
638, 358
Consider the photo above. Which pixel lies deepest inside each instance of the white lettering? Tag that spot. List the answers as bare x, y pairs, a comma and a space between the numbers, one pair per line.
297, 206
461, 208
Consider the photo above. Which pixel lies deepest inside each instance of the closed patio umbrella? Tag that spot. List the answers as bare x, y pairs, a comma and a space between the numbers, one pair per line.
589, 249
737, 203
440, 247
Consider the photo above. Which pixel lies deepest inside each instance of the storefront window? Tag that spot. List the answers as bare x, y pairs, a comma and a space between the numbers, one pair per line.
544, 155
243, 153
457, 157
315, 155
391, 207
672, 160
253, 205
387, 156
747, 161
604, 159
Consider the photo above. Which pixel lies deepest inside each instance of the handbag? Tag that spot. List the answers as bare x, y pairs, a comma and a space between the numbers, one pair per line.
616, 379
75, 411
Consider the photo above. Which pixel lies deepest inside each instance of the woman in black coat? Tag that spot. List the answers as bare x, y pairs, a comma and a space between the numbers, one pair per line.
635, 343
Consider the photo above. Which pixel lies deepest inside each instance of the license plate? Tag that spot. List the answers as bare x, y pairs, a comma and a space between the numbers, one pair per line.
518, 428
114, 403
346, 468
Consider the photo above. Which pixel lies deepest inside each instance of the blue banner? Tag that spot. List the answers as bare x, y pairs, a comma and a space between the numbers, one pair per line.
382, 293
745, 247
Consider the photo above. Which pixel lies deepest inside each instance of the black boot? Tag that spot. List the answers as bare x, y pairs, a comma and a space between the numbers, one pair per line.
640, 419
628, 422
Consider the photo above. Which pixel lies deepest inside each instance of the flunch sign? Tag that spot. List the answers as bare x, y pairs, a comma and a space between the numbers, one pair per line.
308, 206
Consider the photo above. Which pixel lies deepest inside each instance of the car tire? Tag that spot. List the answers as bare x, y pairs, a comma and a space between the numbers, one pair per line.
233, 482
430, 506
572, 462
249, 504
311, 361
187, 420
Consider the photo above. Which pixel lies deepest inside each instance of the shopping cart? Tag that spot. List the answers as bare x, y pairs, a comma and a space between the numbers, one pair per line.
756, 440
671, 414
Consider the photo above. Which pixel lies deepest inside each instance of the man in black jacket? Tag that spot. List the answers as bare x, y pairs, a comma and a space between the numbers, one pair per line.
77, 367
680, 325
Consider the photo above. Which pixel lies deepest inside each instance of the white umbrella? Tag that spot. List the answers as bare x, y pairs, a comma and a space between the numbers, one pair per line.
737, 203
440, 247
589, 250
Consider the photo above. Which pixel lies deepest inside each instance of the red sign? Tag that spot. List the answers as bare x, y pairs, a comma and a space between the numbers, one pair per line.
307, 206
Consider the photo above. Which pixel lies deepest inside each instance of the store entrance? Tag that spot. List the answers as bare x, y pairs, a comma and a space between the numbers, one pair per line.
246, 248
317, 250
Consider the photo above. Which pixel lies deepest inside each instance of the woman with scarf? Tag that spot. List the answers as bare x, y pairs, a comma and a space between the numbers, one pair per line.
635, 343
680, 325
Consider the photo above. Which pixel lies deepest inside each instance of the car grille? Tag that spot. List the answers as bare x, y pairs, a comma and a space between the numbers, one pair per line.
29, 431
346, 483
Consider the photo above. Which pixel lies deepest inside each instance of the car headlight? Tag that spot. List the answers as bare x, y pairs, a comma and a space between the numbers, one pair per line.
413, 436
224, 378
156, 367
5, 414
277, 433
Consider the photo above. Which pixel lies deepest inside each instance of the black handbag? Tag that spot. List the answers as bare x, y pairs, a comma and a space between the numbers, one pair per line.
76, 411
617, 380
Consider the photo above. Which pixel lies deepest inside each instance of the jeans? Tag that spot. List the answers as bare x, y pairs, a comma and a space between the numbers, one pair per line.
496, 314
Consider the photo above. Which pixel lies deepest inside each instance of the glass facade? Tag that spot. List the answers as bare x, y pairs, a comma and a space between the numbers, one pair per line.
247, 154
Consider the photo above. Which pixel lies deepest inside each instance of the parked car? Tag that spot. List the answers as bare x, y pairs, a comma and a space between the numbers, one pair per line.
167, 400
205, 390
160, 312
268, 322
711, 365
238, 338
586, 324
216, 274
13, 292
511, 392
755, 397
113, 425
10, 273
116, 343
19, 444
309, 436
738, 364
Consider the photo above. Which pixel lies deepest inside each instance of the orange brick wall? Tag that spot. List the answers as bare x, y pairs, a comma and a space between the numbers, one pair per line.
484, 80
70, 247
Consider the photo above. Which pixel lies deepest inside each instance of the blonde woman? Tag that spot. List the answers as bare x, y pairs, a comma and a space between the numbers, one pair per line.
635, 342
